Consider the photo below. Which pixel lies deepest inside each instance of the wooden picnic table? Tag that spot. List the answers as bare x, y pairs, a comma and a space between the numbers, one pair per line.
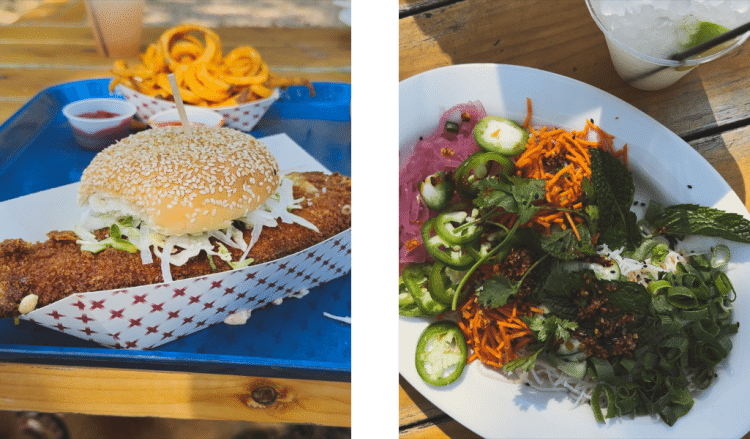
708, 108
53, 44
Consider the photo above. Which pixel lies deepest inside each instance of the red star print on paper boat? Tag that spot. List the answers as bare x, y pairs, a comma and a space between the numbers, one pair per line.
151, 315
241, 117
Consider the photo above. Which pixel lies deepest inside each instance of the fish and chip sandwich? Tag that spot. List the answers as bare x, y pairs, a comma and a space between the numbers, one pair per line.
163, 206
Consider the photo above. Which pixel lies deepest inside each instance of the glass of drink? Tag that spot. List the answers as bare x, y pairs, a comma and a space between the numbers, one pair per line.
642, 35
117, 26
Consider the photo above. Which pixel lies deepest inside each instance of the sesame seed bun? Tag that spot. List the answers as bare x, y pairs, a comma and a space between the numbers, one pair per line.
179, 184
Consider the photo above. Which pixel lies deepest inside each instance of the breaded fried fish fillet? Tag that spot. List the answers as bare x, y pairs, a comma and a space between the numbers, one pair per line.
57, 267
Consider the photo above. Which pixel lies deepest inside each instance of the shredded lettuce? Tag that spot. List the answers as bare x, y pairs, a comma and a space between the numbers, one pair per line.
128, 233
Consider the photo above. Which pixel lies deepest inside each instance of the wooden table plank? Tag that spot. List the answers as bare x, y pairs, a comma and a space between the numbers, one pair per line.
303, 49
70, 11
30, 61
565, 40
123, 392
413, 407
407, 3
55, 10
729, 155
420, 419
446, 428
411, 6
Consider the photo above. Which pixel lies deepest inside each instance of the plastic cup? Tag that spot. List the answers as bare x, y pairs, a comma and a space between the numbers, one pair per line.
647, 72
97, 133
117, 26
195, 115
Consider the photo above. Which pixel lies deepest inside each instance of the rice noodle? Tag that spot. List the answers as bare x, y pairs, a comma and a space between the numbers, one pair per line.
641, 271
546, 378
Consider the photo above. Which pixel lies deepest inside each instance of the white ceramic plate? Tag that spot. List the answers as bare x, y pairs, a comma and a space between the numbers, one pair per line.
665, 168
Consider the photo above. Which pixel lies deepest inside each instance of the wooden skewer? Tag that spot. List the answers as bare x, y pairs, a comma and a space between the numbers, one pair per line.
180, 105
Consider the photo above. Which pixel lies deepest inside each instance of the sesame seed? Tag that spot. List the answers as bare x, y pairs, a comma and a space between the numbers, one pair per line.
164, 164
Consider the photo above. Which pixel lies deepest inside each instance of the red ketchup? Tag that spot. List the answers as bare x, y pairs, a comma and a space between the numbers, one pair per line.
98, 114
101, 139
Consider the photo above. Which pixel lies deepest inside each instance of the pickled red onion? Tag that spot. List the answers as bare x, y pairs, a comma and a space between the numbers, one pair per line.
441, 151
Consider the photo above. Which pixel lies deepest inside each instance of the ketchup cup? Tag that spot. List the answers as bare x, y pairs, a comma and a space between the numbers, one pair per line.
99, 122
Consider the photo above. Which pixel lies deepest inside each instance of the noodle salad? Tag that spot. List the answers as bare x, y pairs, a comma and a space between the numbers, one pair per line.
520, 243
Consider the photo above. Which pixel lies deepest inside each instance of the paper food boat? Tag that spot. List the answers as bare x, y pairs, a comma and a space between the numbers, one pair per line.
242, 117
148, 316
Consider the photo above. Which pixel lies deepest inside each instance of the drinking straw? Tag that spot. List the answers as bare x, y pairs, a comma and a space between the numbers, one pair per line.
97, 28
713, 42
695, 50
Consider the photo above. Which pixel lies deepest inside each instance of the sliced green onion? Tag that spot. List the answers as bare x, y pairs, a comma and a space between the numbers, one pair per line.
720, 256
452, 127
655, 286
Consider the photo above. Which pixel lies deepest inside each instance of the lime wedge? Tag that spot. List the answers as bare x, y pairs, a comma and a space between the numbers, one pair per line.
704, 31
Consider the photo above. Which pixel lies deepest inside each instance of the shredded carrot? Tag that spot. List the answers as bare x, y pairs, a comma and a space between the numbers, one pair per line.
562, 159
573, 225
528, 113
507, 219
496, 334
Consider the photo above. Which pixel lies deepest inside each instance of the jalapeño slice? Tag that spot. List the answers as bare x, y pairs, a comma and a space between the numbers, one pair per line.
479, 166
441, 353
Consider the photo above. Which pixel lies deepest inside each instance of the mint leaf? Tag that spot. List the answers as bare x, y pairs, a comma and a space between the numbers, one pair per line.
614, 188
691, 219
565, 245
629, 297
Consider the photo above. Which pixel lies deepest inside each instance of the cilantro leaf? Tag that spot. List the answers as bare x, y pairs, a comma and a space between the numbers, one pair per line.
495, 193
496, 291
551, 327
526, 192
512, 194
546, 329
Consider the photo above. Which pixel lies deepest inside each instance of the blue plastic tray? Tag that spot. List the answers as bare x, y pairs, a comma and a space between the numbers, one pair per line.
294, 340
